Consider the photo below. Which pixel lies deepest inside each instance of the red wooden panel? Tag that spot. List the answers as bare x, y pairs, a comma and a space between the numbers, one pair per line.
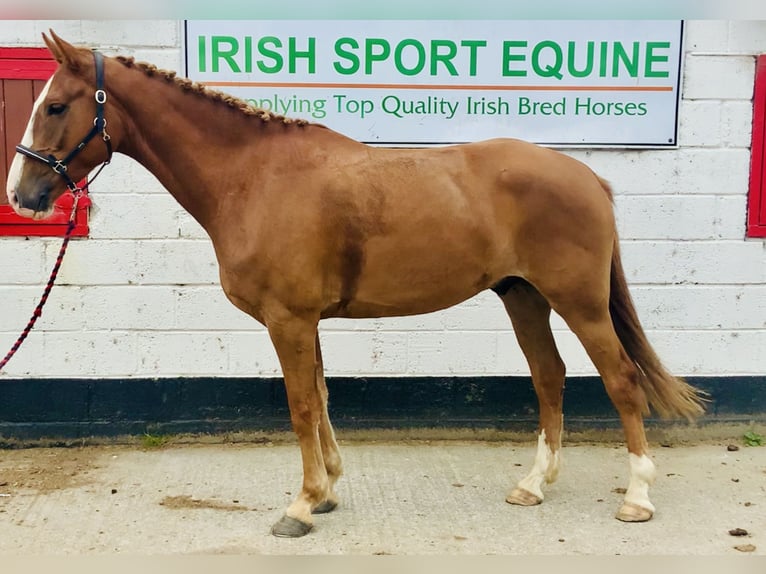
25, 54
23, 74
761, 119
756, 209
26, 69
3, 144
12, 224
18, 99
37, 88
26, 63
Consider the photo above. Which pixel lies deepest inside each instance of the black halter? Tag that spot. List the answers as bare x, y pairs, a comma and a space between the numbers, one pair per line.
99, 127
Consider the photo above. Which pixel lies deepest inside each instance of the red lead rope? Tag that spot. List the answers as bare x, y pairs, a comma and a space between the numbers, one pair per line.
39, 309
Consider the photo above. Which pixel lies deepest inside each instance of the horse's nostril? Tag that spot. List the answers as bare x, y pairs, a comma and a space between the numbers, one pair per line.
42, 202
14, 198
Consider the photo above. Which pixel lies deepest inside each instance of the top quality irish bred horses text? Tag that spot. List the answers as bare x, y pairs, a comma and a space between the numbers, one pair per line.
309, 224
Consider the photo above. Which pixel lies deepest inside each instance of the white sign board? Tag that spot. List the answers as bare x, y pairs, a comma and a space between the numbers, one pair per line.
425, 82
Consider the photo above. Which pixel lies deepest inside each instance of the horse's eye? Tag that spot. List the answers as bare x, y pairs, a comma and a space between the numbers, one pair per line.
56, 109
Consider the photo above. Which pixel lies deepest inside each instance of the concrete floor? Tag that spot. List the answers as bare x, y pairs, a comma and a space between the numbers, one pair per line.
416, 498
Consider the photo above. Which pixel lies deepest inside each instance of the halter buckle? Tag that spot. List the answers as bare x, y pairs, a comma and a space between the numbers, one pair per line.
59, 167
100, 96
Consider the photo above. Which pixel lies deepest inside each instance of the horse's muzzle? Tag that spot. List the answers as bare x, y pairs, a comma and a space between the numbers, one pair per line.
37, 202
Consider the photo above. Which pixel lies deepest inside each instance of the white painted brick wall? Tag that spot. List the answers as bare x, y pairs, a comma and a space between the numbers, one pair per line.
140, 298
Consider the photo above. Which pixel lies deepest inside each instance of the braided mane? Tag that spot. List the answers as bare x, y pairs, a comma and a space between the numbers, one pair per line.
213, 95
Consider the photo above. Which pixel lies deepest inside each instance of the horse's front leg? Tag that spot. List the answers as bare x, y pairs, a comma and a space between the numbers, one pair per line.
294, 340
330, 451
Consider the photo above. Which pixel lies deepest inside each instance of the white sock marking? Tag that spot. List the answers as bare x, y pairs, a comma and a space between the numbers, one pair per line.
545, 468
642, 475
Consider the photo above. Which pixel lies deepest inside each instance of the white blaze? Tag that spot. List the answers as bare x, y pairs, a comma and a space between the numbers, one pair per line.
17, 166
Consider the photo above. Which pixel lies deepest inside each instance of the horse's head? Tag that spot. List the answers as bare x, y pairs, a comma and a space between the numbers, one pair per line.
64, 139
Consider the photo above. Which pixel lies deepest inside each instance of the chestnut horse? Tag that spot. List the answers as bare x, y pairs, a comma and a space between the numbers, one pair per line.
308, 224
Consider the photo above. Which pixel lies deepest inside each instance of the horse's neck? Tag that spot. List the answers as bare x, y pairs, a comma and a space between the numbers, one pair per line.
187, 142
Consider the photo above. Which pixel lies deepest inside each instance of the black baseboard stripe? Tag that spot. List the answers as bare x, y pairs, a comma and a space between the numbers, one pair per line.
32, 409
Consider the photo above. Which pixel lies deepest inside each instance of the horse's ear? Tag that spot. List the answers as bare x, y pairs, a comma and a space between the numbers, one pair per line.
62, 51
52, 48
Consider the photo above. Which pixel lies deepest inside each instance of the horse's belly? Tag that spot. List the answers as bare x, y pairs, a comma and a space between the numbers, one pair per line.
360, 309
402, 289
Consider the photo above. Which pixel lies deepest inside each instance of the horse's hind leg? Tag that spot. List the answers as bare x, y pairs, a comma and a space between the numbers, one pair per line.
530, 315
590, 320
330, 451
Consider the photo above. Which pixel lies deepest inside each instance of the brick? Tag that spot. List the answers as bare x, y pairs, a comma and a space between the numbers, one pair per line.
62, 311
747, 36
739, 307
96, 262
370, 352
18, 303
23, 262
428, 322
177, 262
88, 354
718, 77
153, 33
726, 353
680, 217
207, 308
128, 308
728, 221
136, 216
340, 324
251, 354
101, 34
737, 124
699, 123
452, 353
182, 354
125, 175
698, 171
27, 362
694, 307
188, 228
170, 60
484, 312
704, 263
19, 33
707, 36
712, 172
684, 353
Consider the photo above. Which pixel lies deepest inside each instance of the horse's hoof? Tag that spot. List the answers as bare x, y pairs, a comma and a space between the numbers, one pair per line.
325, 507
523, 498
634, 513
288, 527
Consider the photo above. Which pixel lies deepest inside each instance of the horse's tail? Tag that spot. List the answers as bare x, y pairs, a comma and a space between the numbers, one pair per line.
670, 396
